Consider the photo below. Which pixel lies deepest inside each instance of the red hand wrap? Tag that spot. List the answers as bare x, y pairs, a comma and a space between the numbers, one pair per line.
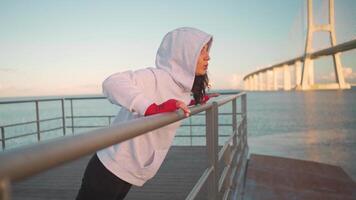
168, 106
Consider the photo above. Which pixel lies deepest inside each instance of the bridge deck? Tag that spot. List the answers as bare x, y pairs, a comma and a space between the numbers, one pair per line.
270, 177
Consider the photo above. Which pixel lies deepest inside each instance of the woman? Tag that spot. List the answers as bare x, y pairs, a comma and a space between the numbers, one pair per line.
181, 69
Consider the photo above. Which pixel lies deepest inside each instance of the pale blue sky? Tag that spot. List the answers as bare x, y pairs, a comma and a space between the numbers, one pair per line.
67, 47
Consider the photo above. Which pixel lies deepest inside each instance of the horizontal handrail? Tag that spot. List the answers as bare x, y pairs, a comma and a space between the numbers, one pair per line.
225, 147
97, 126
90, 116
204, 124
35, 133
193, 136
324, 52
31, 100
31, 122
182, 125
46, 155
195, 191
85, 98
52, 129
102, 116
32, 133
41, 156
78, 117
20, 136
72, 116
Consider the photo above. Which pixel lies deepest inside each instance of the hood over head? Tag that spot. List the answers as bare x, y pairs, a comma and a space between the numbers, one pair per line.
179, 52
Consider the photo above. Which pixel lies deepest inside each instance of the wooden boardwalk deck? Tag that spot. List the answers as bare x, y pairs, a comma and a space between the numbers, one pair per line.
177, 176
267, 177
277, 178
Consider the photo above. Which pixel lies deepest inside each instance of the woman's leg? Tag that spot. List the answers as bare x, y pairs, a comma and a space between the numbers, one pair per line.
100, 183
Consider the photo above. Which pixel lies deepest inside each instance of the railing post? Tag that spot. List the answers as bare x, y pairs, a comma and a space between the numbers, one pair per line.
38, 122
244, 114
245, 149
234, 123
3, 138
212, 145
71, 114
190, 131
5, 189
235, 137
63, 118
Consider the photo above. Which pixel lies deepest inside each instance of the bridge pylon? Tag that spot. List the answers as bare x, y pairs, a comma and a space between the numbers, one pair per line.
307, 79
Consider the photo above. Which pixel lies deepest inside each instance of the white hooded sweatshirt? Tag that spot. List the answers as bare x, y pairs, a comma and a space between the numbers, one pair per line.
138, 159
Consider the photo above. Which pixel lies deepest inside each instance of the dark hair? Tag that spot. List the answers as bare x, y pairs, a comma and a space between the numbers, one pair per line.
198, 89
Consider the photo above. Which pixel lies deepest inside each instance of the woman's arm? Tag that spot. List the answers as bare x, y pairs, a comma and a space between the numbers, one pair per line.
168, 106
124, 89
127, 89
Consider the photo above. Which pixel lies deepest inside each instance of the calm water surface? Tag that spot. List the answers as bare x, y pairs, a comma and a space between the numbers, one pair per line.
314, 125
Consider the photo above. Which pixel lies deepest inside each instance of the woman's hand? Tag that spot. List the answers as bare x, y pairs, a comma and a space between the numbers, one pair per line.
184, 107
170, 105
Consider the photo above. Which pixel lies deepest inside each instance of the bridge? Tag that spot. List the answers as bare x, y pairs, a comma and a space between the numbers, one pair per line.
301, 69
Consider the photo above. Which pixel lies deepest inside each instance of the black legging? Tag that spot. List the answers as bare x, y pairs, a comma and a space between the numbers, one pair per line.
98, 183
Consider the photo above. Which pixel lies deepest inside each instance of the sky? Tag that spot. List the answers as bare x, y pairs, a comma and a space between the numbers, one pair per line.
69, 47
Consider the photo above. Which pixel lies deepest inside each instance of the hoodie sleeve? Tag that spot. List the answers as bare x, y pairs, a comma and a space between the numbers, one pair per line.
126, 89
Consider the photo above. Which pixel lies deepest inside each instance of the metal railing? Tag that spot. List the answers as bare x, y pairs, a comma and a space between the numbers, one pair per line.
37, 121
64, 126
68, 119
233, 154
17, 164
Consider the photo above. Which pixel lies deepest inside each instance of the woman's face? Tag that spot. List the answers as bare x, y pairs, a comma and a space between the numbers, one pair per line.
202, 64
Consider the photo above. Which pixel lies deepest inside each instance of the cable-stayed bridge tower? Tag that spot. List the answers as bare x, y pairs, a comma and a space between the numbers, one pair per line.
307, 79
267, 78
